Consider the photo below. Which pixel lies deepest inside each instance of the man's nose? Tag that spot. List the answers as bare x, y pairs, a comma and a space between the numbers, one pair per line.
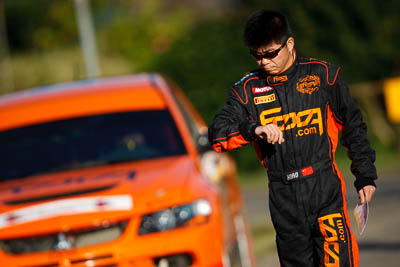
265, 61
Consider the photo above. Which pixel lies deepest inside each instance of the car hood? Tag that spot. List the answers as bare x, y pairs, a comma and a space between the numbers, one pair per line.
79, 198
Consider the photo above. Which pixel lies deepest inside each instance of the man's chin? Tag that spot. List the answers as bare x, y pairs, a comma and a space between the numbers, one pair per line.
270, 71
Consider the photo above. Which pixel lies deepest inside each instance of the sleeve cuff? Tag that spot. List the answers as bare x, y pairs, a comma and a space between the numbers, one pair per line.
361, 182
247, 129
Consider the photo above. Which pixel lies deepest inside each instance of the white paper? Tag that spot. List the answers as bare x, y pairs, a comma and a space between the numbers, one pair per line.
361, 215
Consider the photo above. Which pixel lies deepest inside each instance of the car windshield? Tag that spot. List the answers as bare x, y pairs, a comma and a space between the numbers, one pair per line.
88, 141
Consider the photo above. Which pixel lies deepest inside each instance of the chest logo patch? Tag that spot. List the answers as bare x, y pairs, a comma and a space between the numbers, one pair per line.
307, 121
308, 84
264, 99
259, 90
282, 79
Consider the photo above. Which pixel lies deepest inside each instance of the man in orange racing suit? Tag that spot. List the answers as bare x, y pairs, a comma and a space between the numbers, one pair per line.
293, 110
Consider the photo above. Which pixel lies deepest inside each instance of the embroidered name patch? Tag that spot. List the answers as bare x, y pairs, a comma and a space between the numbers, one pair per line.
258, 90
282, 79
264, 99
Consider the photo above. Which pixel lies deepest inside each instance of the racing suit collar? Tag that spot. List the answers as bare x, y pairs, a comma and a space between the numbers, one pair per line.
284, 75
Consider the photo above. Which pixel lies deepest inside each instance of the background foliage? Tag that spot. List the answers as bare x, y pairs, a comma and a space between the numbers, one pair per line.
196, 43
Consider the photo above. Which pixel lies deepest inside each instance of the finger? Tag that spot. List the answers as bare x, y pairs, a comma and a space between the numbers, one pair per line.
273, 135
369, 193
361, 196
277, 134
270, 133
281, 140
368, 197
261, 134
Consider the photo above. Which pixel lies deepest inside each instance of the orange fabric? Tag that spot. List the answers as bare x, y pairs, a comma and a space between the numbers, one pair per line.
230, 144
331, 238
333, 134
228, 136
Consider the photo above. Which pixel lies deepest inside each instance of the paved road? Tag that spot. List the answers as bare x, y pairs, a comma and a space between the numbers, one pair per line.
380, 243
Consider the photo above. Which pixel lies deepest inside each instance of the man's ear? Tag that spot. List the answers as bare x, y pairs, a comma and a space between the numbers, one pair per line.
290, 44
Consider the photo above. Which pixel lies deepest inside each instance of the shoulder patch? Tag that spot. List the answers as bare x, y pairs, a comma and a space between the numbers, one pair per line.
247, 76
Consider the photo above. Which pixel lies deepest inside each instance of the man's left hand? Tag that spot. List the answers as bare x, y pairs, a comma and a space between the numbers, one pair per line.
366, 193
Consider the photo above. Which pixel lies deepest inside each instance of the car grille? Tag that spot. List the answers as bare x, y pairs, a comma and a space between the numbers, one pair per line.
63, 240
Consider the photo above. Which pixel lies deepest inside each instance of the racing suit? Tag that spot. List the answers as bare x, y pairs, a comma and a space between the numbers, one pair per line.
311, 104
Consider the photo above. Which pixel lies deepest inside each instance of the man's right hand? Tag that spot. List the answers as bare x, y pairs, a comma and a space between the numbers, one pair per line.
270, 132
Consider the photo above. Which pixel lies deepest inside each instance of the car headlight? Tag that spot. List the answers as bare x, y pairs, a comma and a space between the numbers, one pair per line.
174, 217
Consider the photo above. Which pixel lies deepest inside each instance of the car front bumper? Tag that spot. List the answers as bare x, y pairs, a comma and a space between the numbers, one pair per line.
193, 245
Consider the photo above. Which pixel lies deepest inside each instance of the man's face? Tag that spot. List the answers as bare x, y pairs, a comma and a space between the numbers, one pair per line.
275, 63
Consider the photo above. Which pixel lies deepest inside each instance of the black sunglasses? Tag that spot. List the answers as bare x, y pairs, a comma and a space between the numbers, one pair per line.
267, 55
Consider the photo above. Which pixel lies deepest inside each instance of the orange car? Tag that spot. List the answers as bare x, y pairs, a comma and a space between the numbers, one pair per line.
115, 172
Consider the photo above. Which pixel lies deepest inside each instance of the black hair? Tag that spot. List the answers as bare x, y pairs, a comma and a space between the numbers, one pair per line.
265, 27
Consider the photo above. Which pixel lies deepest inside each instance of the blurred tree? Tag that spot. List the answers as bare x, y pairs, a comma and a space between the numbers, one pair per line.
40, 24
142, 32
6, 79
359, 35
207, 62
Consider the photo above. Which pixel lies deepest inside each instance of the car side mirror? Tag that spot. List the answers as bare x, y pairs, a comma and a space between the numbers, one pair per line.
202, 143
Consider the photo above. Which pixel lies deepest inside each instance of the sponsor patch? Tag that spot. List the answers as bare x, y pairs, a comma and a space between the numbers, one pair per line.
282, 79
291, 176
308, 84
258, 90
304, 120
245, 77
264, 99
332, 229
